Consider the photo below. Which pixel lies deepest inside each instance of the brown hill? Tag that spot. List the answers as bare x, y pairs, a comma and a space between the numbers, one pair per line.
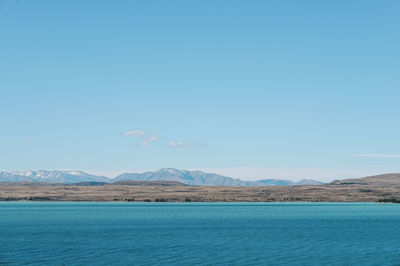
147, 183
377, 180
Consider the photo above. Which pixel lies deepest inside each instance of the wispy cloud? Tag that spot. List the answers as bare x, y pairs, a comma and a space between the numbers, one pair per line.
378, 155
178, 144
144, 138
147, 141
134, 133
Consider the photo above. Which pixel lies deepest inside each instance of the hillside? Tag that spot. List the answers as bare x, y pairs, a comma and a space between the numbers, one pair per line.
146, 183
377, 180
157, 191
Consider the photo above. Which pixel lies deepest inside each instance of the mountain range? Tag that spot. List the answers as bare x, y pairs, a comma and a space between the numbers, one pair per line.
52, 176
167, 174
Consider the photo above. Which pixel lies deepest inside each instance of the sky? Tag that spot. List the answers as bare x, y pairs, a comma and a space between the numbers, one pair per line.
249, 89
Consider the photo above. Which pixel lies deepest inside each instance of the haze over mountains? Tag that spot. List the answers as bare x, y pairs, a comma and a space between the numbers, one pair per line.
167, 174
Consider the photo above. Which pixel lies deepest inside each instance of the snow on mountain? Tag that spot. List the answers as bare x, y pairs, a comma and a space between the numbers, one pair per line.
167, 174
52, 176
204, 179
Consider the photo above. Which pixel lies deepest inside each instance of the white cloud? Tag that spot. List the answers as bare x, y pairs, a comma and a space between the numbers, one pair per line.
134, 133
146, 138
378, 155
179, 144
146, 142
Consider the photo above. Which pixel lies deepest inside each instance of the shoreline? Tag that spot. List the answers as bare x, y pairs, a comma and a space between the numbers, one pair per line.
193, 202
46, 192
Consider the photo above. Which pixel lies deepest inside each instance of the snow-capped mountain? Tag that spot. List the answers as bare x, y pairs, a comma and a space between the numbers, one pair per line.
197, 178
52, 176
205, 179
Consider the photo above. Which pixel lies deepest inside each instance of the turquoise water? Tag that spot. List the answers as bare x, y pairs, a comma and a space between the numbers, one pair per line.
199, 233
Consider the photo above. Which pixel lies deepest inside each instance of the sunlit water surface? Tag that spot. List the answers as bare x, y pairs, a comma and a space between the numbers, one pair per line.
199, 233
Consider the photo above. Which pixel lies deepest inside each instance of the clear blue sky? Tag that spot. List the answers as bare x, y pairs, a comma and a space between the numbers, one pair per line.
253, 89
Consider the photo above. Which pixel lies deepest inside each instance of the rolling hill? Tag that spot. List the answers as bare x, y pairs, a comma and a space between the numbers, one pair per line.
376, 180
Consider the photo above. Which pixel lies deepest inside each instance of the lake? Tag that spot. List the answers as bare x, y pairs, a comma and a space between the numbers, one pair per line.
71, 233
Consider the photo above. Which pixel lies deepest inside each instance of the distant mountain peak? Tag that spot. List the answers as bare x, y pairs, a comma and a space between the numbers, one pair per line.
53, 176
308, 182
200, 178
186, 177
